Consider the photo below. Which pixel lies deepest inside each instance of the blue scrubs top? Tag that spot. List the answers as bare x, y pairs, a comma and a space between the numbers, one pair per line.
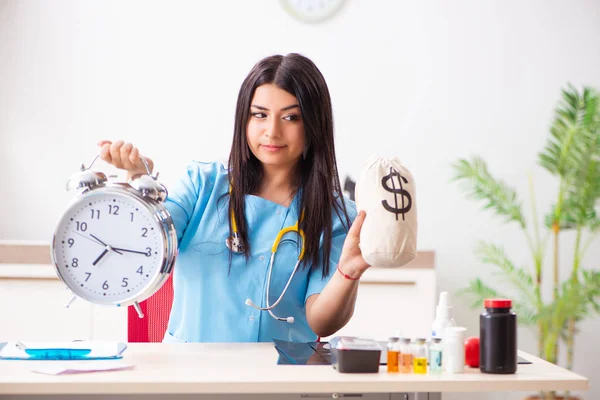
209, 297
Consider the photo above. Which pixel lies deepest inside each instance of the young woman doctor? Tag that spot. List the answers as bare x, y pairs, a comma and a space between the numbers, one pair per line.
282, 172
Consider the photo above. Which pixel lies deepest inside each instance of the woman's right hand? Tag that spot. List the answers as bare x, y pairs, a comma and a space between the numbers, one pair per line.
124, 156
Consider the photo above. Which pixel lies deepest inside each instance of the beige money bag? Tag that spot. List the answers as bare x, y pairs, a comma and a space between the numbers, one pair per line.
385, 189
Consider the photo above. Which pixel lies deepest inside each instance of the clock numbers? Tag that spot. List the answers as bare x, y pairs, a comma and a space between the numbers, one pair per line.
102, 242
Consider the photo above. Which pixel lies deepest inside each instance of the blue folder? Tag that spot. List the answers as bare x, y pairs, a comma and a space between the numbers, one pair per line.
80, 350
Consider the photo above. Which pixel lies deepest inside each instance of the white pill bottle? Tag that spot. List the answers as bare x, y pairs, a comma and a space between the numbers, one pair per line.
453, 357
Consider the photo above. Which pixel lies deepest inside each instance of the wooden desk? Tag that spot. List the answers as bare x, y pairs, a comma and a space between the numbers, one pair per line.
251, 369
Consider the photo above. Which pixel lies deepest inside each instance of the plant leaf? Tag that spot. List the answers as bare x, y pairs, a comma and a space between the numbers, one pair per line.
569, 132
481, 185
576, 299
479, 291
573, 153
490, 253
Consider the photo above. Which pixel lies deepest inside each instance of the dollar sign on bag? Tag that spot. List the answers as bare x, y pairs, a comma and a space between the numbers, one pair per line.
397, 191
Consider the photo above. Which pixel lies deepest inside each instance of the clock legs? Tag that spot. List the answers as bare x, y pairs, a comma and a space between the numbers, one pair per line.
138, 309
71, 301
136, 305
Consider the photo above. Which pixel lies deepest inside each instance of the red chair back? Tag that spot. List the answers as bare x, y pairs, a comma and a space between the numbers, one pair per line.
156, 309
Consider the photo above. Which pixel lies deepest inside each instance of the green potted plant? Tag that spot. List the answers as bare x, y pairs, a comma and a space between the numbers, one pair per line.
572, 155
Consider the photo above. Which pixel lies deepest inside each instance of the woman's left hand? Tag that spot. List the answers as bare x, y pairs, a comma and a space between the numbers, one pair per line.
351, 260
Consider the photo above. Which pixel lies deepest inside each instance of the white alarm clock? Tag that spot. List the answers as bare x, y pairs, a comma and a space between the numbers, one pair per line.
116, 243
312, 11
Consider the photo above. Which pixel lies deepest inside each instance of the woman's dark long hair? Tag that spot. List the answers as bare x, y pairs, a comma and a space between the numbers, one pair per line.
317, 175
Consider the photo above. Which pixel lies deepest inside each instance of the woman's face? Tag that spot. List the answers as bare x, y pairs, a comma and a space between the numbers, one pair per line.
275, 130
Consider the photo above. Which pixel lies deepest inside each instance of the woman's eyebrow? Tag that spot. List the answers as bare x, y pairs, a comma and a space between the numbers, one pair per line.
283, 109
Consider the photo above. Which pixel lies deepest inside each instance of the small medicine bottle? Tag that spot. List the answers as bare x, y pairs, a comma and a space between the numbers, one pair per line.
393, 355
435, 356
406, 356
420, 356
454, 350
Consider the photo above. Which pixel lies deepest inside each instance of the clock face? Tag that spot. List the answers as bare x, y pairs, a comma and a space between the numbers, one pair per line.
108, 247
312, 10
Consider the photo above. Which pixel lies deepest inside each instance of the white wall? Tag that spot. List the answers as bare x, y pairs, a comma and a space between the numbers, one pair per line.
426, 81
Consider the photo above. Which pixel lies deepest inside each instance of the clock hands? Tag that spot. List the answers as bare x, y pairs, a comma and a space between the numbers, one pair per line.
108, 248
85, 237
100, 256
106, 245
98, 240
133, 251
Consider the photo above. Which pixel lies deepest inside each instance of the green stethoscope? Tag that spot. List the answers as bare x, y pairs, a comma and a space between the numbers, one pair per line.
234, 244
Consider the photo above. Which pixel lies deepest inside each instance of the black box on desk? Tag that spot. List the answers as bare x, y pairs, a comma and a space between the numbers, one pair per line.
354, 355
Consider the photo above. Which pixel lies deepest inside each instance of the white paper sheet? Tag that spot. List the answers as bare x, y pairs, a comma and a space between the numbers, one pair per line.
67, 367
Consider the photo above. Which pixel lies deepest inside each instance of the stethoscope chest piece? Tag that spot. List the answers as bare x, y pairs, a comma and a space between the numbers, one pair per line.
234, 243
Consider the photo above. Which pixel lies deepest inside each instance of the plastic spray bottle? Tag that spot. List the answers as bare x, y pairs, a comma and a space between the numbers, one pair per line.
442, 317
